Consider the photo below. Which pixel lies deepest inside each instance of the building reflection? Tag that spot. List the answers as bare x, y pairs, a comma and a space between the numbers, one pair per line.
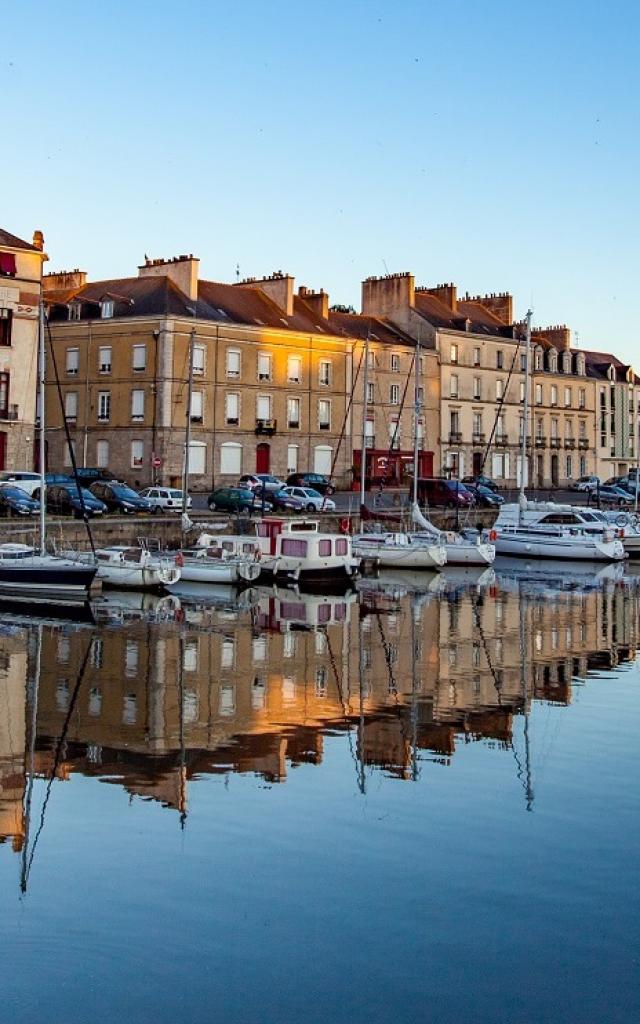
257, 688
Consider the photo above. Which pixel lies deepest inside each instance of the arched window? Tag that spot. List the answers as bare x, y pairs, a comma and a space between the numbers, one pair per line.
538, 358
580, 363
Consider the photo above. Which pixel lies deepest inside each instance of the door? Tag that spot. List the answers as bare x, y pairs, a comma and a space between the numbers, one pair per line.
554, 470
3, 450
477, 463
540, 473
263, 458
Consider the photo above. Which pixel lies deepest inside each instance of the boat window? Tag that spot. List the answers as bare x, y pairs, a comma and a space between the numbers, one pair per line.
297, 548
290, 611
566, 518
341, 546
340, 609
306, 527
324, 613
263, 530
324, 548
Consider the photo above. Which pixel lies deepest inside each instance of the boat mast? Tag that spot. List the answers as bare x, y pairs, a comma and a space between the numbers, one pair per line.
41, 438
187, 433
525, 415
416, 418
363, 458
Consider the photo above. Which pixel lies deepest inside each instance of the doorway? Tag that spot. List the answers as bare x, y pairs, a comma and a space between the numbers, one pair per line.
477, 463
554, 470
3, 450
540, 470
263, 458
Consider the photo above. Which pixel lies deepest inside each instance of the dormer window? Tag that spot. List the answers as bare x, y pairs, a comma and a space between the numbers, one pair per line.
566, 362
75, 309
552, 361
106, 309
537, 359
611, 373
580, 364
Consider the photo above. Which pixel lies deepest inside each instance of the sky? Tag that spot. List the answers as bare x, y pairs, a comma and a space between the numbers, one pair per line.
493, 144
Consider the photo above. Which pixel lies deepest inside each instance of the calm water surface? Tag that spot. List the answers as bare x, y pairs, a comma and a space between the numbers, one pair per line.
414, 803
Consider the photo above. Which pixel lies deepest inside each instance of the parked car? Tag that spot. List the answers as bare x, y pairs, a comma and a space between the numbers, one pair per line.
88, 475
15, 501
280, 500
481, 481
120, 498
438, 490
64, 500
165, 499
484, 497
236, 499
586, 483
266, 480
311, 499
614, 496
57, 478
315, 480
27, 481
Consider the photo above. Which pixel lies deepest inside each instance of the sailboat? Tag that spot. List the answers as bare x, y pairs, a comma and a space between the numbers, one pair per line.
27, 575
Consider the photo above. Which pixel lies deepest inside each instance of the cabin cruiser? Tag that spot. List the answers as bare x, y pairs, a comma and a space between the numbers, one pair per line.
132, 568
469, 547
42, 578
214, 564
399, 551
628, 528
541, 529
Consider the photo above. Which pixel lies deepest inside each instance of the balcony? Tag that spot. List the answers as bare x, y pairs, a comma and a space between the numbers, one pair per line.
555, 442
9, 412
569, 442
455, 436
541, 441
478, 438
583, 443
293, 424
502, 439
267, 427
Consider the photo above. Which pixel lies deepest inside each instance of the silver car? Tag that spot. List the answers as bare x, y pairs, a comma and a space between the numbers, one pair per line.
313, 501
165, 499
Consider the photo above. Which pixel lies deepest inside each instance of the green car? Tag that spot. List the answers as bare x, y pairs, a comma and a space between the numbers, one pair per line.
236, 499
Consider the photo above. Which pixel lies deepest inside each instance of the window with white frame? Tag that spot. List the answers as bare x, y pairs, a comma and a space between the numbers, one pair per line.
554, 394
453, 385
369, 432
371, 392
324, 414
195, 412
569, 466
523, 361
395, 362
263, 407
499, 389
74, 310
476, 357
582, 428
554, 427
104, 359
104, 406
500, 466
324, 372
499, 359
73, 361
371, 359
231, 458
538, 394
293, 413
294, 369
477, 388
137, 405
139, 358
567, 397
232, 409
137, 454
197, 458
454, 354
292, 458
264, 366
199, 360
522, 390
582, 398
71, 405
233, 363
102, 454
583, 465
322, 459
106, 309
394, 394
477, 424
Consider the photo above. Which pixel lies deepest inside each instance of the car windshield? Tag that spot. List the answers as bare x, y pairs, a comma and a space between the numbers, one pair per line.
175, 494
16, 493
73, 490
125, 492
311, 493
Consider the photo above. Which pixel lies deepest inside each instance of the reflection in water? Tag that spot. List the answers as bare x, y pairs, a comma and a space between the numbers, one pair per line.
156, 693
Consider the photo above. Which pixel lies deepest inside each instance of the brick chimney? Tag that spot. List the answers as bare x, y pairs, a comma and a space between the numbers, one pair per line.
182, 270
392, 297
38, 240
64, 280
279, 288
498, 303
319, 301
559, 336
447, 293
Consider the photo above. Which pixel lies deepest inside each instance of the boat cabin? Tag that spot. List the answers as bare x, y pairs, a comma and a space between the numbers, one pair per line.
299, 539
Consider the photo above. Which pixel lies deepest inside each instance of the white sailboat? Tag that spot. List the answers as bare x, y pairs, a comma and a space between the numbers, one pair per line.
468, 547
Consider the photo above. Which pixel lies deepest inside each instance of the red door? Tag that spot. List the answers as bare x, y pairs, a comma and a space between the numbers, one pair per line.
3, 451
263, 458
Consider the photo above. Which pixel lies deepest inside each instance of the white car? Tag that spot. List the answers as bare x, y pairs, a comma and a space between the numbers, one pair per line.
27, 481
165, 499
313, 500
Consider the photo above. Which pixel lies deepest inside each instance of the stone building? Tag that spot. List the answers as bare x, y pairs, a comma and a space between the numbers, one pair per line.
20, 286
270, 379
617, 413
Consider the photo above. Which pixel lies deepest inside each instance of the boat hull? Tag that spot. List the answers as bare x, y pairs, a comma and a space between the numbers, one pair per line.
545, 547
64, 585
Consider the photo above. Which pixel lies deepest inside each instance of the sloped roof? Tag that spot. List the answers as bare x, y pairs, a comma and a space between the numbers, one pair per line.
480, 320
13, 242
359, 325
598, 363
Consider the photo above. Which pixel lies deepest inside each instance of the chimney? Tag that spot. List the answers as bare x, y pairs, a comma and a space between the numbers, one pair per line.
38, 240
319, 301
392, 296
182, 270
447, 293
64, 280
559, 336
500, 304
279, 288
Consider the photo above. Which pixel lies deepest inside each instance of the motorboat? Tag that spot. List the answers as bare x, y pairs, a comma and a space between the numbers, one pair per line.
628, 525
28, 576
541, 529
133, 568
390, 550
466, 548
214, 564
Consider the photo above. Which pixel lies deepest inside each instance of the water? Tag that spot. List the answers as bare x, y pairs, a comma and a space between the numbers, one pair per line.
269, 810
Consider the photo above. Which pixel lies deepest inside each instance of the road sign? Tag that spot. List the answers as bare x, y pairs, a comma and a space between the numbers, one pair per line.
156, 462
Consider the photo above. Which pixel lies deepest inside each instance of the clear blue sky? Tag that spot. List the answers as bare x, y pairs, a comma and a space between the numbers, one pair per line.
492, 144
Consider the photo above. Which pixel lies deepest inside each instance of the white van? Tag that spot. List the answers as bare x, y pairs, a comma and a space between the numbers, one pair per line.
29, 482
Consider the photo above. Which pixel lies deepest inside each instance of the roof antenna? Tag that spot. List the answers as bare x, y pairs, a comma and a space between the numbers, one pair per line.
237, 273
386, 269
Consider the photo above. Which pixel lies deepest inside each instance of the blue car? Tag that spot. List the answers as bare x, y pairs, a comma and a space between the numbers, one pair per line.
15, 501
65, 500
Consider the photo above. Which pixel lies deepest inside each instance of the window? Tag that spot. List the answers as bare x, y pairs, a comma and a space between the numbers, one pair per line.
552, 360
538, 394
232, 410
104, 359
476, 357
567, 398
499, 359
137, 405
294, 369
324, 373
231, 458
554, 394
454, 427
102, 454
537, 359
292, 458
477, 388
477, 423
453, 386
104, 406
139, 357
394, 394
198, 359
8, 264
106, 309
582, 428
523, 362
293, 413
295, 547
453, 353
137, 454
371, 360
324, 548
195, 412
5, 380
499, 389
71, 405
324, 414
95, 701
197, 458
341, 547
554, 427
74, 310
233, 363
583, 465
569, 466
394, 433
322, 459
369, 432
370, 392
263, 407
395, 362
264, 366
500, 467
73, 360
566, 362
522, 390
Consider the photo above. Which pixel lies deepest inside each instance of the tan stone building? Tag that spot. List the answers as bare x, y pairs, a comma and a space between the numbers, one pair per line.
20, 285
617, 413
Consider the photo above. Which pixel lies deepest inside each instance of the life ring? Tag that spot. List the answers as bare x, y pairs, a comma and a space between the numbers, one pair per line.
257, 555
621, 519
345, 525
179, 559
493, 535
